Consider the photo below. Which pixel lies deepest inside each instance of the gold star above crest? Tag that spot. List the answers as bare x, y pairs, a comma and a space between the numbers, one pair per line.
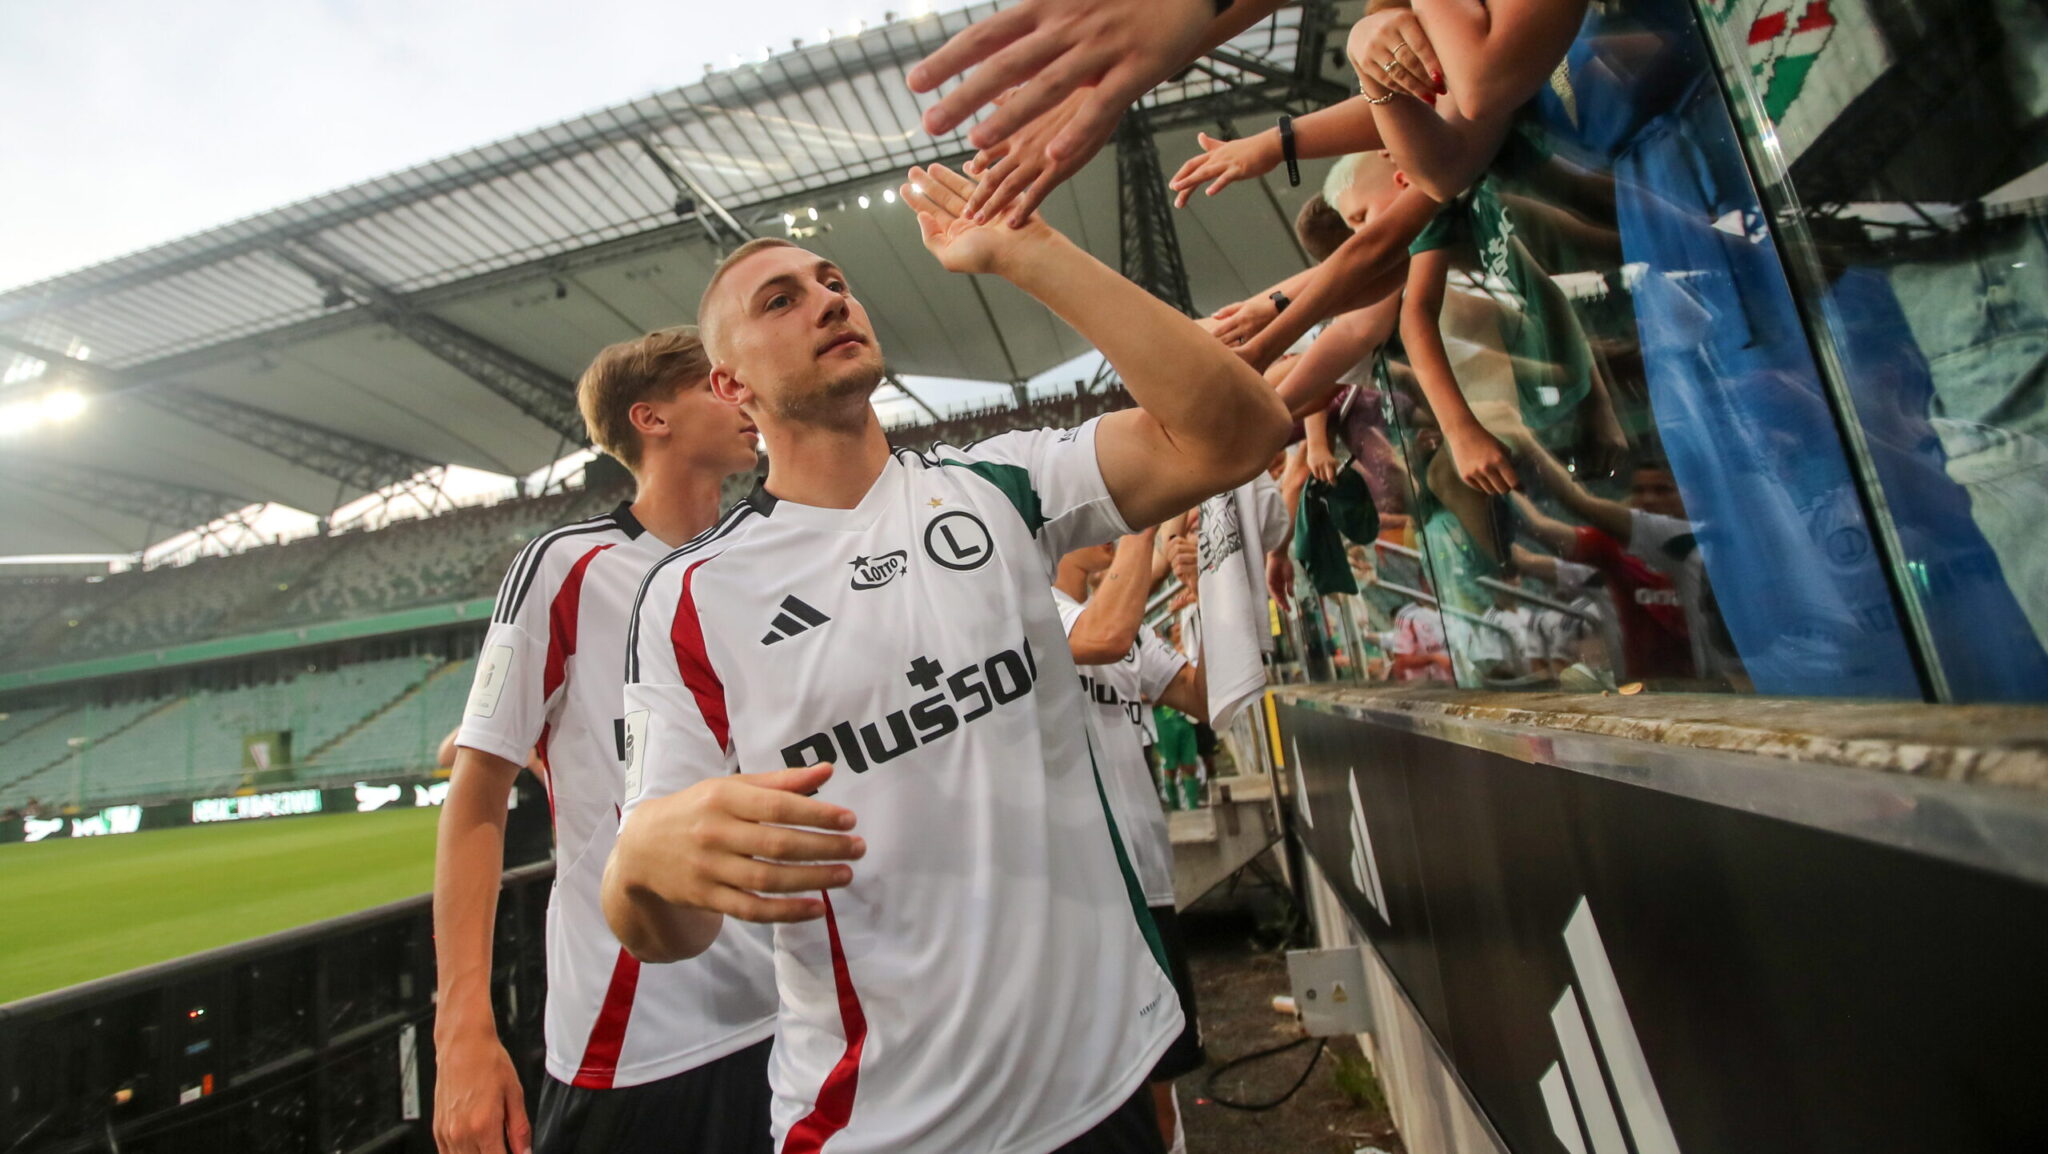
937, 501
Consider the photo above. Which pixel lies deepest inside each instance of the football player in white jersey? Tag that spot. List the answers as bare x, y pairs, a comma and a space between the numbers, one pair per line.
979, 971
638, 1058
1125, 669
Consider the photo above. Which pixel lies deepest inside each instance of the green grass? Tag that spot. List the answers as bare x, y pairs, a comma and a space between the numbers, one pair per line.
85, 908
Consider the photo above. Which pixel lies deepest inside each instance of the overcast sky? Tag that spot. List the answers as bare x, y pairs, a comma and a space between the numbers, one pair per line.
127, 123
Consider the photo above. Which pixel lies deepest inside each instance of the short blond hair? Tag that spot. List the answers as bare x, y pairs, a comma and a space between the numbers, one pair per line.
707, 317
654, 367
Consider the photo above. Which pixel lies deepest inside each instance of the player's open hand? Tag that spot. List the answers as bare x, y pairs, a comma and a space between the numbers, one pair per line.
726, 845
939, 196
1115, 50
1224, 163
478, 1105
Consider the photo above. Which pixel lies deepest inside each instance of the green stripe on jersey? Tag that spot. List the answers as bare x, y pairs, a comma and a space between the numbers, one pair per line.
1015, 483
1136, 892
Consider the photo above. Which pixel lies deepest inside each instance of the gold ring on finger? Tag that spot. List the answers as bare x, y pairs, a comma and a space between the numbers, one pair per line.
1387, 65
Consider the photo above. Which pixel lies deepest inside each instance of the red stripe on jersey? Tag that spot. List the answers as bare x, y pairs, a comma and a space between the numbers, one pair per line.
608, 1033
834, 1106
686, 634
562, 624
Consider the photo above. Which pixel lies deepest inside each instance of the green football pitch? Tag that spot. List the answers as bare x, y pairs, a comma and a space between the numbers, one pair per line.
84, 908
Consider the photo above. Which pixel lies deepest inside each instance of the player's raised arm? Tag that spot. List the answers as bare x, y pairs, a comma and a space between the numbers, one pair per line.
1207, 422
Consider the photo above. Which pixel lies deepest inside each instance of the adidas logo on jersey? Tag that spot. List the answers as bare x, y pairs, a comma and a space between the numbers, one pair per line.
999, 680
1633, 1096
796, 617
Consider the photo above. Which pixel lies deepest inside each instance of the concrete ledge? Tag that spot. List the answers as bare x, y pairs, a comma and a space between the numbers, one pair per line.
1993, 745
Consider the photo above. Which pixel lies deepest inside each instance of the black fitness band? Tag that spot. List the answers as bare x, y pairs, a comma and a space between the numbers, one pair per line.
1287, 151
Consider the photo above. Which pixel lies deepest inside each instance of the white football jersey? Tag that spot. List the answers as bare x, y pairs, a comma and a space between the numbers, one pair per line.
550, 679
1118, 696
991, 980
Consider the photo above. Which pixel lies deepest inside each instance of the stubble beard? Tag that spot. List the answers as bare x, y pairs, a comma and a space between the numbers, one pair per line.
840, 399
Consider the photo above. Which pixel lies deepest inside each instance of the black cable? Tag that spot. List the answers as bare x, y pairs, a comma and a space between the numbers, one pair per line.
1255, 1107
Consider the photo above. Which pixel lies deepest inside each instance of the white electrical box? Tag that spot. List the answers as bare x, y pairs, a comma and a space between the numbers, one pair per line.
1329, 991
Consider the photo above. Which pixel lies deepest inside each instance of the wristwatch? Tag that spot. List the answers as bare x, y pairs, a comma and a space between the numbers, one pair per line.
1287, 152
1280, 300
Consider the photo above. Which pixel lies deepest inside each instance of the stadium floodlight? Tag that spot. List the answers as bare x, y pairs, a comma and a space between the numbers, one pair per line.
61, 405
789, 220
888, 196
863, 200
812, 212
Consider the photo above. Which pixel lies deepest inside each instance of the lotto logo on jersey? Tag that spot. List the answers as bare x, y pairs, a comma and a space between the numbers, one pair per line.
980, 688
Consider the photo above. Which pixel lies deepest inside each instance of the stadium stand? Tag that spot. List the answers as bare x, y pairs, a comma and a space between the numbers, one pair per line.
456, 556
35, 763
20, 721
403, 734
191, 744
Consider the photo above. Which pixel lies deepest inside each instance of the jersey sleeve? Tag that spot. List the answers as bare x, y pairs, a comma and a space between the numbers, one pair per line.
675, 720
508, 694
1053, 480
1158, 664
1070, 612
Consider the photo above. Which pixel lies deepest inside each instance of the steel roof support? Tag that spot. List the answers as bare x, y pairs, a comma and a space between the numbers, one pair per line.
1149, 247
710, 213
175, 508
350, 460
357, 463
921, 403
533, 390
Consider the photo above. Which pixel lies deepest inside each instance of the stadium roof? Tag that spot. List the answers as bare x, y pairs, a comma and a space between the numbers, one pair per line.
439, 315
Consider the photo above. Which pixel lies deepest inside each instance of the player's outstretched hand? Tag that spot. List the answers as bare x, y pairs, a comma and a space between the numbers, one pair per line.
724, 845
939, 196
478, 1105
1114, 49
1223, 163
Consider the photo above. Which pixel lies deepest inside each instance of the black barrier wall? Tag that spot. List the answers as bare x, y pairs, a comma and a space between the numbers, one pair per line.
1613, 967
316, 1039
